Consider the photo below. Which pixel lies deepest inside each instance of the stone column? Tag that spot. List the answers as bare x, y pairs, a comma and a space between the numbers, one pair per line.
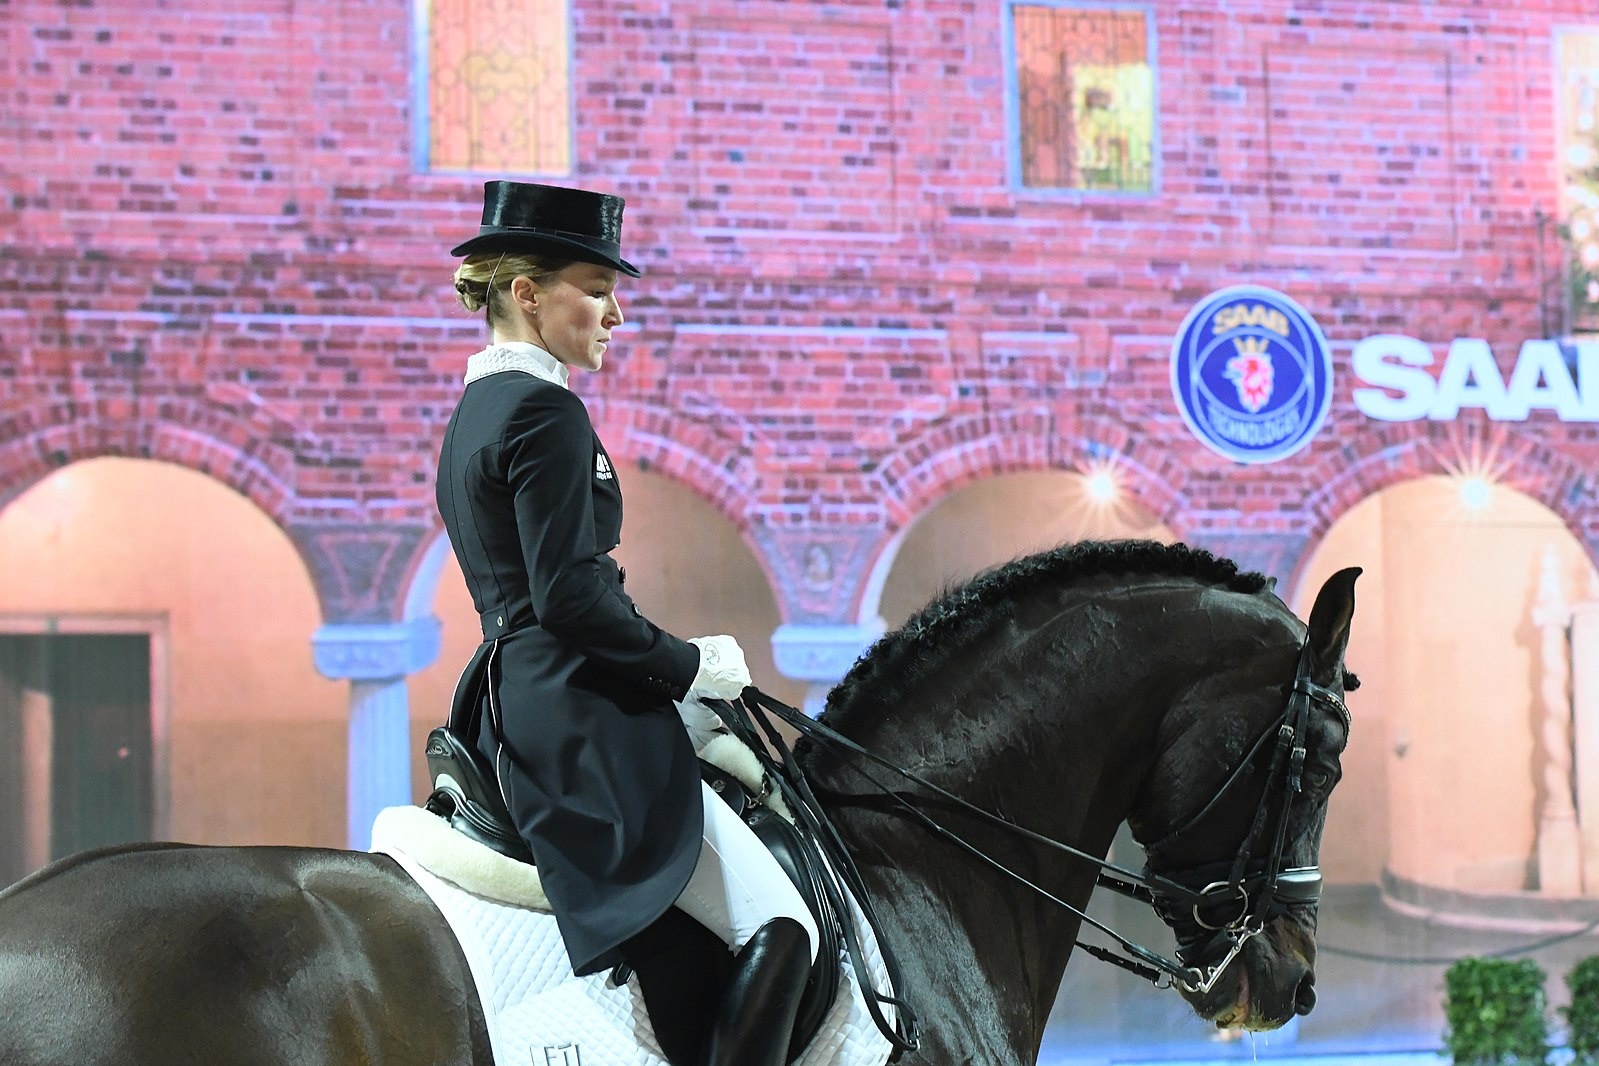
823, 574
821, 654
1585, 725
376, 659
1559, 862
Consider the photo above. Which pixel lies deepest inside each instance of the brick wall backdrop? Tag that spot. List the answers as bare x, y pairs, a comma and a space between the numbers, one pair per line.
216, 249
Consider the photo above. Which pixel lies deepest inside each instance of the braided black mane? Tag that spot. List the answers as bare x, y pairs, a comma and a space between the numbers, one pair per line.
884, 673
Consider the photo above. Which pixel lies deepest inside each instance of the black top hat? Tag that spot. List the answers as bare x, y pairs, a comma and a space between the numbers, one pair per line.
575, 223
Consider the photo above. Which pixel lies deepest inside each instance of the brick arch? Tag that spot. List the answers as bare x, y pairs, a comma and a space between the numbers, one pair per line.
930, 467
698, 454
926, 468
245, 453
962, 452
1385, 455
1151, 469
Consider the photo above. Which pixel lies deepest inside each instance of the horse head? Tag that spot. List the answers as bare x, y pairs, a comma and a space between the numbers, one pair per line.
1231, 816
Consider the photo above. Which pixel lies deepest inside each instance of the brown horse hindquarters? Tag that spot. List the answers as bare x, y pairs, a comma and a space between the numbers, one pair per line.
170, 955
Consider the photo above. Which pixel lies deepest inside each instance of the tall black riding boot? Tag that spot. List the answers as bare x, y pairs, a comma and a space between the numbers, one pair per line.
755, 1021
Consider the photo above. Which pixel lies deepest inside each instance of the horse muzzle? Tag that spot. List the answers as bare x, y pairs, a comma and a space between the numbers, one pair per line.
1260, 986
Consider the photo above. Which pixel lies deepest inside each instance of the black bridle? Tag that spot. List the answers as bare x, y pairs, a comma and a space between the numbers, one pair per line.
1214, 909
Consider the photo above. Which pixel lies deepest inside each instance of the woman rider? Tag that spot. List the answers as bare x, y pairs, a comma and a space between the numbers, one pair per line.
576, 686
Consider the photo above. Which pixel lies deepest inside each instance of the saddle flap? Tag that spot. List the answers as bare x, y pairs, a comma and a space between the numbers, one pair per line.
802, 862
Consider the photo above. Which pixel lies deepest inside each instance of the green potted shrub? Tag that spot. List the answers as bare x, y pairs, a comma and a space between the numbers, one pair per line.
1494, 1009
1582, 1016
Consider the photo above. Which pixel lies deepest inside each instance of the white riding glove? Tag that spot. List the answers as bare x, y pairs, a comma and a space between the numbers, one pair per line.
702, 723
724, 675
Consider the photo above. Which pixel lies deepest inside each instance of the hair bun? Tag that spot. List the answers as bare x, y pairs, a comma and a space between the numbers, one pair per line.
472, 294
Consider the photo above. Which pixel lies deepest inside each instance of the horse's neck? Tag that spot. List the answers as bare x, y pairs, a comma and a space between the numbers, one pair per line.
983, 954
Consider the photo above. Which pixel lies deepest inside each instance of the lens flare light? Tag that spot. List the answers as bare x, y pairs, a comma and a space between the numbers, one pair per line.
1102, 486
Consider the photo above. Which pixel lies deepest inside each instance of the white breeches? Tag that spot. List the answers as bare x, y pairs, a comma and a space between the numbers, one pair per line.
737, 886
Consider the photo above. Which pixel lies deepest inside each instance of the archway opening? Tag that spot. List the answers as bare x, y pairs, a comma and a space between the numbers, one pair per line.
1455, 760
241, 740
1001, 518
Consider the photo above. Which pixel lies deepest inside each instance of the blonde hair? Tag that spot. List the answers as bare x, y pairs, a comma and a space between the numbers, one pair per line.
477, 272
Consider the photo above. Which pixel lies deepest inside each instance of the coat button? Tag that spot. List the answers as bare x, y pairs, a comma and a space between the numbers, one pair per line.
636, 612
500, 621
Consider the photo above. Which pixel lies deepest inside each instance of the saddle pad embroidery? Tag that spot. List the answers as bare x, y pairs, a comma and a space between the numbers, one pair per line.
537, 1011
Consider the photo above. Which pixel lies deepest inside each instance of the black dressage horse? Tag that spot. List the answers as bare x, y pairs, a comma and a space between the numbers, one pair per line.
1065, 693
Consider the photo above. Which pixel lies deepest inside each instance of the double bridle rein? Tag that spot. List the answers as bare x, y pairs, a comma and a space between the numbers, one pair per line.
1212, 908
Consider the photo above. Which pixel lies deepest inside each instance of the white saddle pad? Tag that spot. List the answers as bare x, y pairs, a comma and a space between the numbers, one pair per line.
537, 1011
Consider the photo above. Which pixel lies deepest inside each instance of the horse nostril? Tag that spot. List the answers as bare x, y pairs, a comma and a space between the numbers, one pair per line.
1305, 995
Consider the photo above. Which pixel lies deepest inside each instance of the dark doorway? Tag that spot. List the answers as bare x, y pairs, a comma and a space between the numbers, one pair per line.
75, 745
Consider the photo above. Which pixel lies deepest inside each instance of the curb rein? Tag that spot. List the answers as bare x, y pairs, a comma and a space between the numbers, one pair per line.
1259, 890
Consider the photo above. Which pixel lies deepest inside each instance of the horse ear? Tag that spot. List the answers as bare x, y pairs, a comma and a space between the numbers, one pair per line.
1329, 621
1271, 584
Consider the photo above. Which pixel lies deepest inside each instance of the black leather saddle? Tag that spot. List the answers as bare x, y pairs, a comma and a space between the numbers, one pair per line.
466, 796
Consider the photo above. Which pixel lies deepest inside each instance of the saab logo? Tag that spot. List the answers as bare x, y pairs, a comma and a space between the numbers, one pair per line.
565, 1055
602, 467
1547, 375
1251, 374
1250, 370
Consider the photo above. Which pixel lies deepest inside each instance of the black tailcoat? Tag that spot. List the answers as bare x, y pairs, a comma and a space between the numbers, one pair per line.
575, 685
